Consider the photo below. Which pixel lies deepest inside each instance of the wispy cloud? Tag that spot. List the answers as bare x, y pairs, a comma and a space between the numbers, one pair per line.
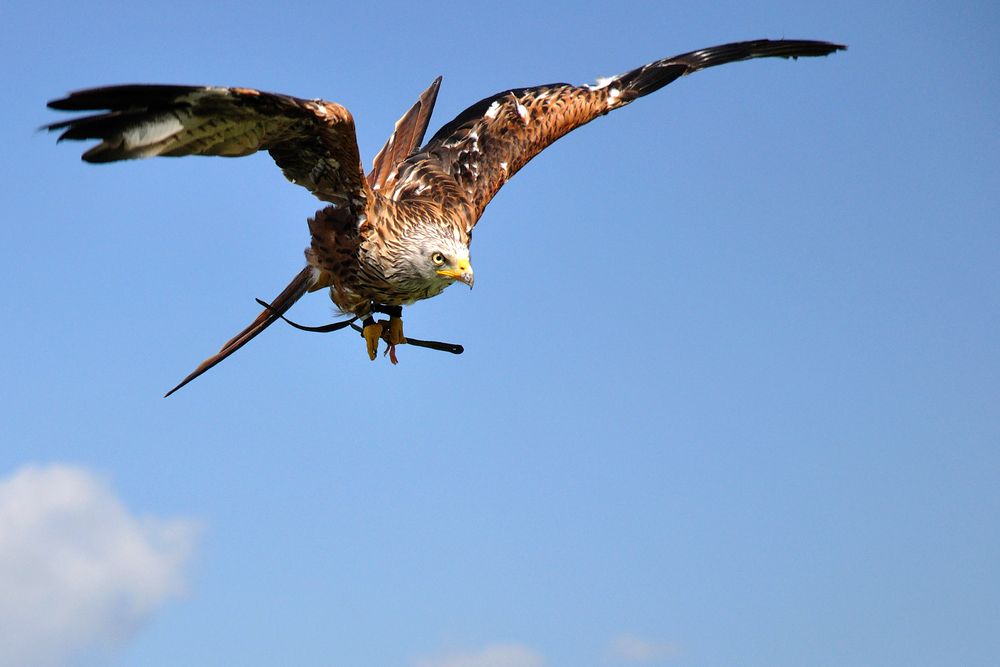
494, 655
632, 649
78, 572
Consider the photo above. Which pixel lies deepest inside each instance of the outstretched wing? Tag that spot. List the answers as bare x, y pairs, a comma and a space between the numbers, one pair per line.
488, 142
311, 140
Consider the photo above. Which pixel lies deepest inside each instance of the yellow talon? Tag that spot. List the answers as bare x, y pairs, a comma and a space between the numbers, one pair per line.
372, 333
396, 331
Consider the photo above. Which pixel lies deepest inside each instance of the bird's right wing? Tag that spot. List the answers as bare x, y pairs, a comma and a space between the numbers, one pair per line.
313, 141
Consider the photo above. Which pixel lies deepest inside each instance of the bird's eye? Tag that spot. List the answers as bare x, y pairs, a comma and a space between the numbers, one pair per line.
437, 258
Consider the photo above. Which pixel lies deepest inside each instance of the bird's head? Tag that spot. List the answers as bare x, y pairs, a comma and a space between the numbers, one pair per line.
435, 257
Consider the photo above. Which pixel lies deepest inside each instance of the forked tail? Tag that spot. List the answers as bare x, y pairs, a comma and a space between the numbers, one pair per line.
300, 284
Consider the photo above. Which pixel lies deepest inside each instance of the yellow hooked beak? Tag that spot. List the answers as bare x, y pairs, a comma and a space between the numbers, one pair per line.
462, 271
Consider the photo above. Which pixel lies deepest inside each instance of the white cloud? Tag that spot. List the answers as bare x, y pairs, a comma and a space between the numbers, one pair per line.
632, 649
494, 655
78, 572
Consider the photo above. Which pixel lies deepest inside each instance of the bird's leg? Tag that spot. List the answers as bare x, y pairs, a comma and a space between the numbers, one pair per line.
372, 332
395, 314
394, 336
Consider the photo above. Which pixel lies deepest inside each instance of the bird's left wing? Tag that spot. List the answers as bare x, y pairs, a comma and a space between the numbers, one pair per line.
313, 141
485, 145
405, 138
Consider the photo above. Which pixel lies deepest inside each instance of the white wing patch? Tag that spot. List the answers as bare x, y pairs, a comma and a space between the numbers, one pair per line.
522, 111
151, 132
602, 82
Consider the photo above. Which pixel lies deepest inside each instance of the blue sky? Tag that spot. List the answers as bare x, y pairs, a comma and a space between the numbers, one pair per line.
730, 393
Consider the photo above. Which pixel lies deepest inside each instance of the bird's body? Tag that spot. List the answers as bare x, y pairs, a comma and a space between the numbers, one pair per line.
401, 233
382, 260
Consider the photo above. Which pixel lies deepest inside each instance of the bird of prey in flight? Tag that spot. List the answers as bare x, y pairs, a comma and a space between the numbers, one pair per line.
401, 233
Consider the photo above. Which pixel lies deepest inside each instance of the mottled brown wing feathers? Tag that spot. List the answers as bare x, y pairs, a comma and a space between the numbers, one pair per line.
311, 140
491, 140
488, 142
405, 138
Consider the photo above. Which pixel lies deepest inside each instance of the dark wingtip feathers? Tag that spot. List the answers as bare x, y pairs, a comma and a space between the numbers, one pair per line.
118, 98
104, 127
652, 77
118, 106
